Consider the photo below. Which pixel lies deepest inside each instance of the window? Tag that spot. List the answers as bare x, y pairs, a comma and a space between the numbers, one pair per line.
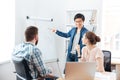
7, 29
111, 27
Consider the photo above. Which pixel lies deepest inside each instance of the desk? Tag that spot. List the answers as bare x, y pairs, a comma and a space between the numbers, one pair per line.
116, 62
101, 76
105, 76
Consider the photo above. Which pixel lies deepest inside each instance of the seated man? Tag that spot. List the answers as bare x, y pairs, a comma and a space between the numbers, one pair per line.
28, 51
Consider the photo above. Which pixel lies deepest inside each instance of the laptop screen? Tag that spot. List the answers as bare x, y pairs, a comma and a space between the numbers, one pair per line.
80, 70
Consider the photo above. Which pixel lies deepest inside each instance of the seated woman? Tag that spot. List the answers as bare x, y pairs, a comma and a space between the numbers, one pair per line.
91, 53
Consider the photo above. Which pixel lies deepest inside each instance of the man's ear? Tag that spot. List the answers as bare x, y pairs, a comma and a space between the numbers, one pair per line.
36, 37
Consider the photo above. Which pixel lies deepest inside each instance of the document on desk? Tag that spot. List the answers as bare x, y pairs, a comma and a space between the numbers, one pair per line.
105, 76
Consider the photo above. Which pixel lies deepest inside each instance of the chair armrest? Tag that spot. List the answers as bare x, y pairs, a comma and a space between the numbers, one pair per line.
20, 77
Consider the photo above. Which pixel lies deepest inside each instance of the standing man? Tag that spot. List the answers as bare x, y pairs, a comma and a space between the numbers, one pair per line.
75, 34
33, 56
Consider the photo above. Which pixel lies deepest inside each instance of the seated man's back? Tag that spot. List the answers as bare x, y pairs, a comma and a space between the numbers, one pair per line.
28, 51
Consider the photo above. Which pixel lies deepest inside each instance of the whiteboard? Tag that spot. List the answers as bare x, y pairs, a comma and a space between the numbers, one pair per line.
46, 42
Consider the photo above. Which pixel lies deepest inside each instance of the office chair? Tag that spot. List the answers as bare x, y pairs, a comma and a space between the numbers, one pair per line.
22, 70
107, 60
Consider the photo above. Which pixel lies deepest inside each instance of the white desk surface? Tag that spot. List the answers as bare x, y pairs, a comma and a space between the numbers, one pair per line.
115, 61
102, 76
105, 76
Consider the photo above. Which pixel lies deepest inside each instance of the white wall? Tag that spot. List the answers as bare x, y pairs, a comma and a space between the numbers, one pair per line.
6, 71
57, 10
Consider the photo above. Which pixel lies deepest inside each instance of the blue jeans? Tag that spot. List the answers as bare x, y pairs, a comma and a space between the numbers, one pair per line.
72, 57
48, 79
55, 78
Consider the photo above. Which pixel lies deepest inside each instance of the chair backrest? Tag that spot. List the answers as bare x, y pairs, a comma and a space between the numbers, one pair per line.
107, 60
22, 70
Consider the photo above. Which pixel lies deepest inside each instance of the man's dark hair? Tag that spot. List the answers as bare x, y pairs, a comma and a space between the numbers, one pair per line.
31, 32
79, 15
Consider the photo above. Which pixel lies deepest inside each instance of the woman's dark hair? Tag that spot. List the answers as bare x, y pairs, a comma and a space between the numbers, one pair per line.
92, 37
79, 15
30, 33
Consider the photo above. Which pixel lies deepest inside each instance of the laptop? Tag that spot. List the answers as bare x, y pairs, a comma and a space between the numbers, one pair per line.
80, 70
